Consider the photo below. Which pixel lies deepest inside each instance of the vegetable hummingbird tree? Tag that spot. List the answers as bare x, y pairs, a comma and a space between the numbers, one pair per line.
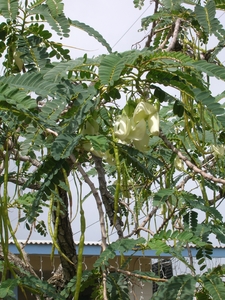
61, 116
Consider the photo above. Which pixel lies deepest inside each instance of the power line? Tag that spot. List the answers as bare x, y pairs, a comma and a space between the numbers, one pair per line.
132, 25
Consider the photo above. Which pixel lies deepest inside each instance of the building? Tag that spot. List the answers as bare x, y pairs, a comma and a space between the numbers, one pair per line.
39, 256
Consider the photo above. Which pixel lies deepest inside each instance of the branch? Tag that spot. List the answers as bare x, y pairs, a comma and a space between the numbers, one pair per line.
21, 181
207, 176
97, 199
128, 273
107, 198
25, 158
148, 42
175, 35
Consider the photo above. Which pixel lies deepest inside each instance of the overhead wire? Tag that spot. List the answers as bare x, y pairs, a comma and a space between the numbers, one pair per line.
131, 25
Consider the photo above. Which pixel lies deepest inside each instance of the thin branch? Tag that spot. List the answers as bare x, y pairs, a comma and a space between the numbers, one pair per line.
207, 176
149, 216
148, 42
128, 273
25, 158
107, 198
146, 230
175, 35
21, 181
97, 199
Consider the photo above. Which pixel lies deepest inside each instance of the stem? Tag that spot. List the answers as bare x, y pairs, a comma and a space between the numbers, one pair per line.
80, 250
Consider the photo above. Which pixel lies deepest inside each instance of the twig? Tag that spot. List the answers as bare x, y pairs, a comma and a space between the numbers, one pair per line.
148, 42
128, 273
25, 158
207, 176
145, 229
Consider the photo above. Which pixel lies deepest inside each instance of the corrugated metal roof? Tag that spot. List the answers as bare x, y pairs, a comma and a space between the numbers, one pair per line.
49, 242
87, 243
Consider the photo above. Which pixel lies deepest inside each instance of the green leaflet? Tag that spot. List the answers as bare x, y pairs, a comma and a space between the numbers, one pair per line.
180, 287
215, 286
110, 68
205, 16
99, 142
117, 286
59, 23
122, 245
64, 145
31, 82
92, 32
61, 69
161, 196
55, 7
9, 9
7, 288
220, 4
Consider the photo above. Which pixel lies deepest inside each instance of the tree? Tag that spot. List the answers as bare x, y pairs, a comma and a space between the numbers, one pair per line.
62, 117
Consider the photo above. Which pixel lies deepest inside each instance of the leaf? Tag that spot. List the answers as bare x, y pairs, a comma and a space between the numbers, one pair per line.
161, 196
64, 145
61, 69
210, 69
55, 7
191, 220
7, 287
220, 4
31, 82
205, 16
58, 23
92, 32
215, 286
99, 142
180, 287
110, 68
122, 246
9, 9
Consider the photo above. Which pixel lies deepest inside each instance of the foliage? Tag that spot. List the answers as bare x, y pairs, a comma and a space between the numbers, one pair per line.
61, 117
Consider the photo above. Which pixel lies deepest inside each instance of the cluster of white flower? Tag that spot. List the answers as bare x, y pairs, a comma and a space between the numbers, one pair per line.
134, 129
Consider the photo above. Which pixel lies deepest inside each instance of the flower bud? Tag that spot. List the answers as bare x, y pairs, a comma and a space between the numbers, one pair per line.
178, 164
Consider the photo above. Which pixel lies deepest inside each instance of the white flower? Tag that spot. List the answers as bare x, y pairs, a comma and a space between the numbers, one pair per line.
143, 110
137, 130
142, 145
218, 150
153, 123
122, 127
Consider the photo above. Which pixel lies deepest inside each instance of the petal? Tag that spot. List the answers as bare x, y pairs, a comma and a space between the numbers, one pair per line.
142, 145
122, 127
138, 130
142, 110
153, 124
